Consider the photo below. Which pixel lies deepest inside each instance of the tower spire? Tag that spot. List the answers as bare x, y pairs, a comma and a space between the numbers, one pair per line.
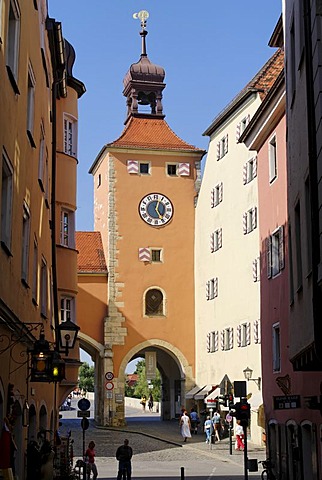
143, 83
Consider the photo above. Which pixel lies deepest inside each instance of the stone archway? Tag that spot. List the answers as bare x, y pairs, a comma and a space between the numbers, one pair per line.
176, 375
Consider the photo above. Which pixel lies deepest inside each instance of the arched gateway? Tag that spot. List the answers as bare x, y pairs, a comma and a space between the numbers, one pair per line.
136, 270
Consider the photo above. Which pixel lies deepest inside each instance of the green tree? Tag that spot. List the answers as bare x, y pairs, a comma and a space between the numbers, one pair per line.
142, 385
86, 377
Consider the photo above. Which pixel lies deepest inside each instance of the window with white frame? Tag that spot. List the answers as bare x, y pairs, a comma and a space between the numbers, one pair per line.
272, 159
70, 135
216, 195
256, 270
43, 288
241, 126
212, 288
144, 168
12, 53
216, 240
31, 102
250, 220
227, 338
275, 252
222, 147
276, 348
213, 341
67, 228
250, 170
172, 169
67, 309
25, 243
35, 273
245, 334
6, 200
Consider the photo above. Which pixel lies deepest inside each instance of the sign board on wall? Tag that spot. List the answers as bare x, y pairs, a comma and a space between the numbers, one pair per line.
150, 365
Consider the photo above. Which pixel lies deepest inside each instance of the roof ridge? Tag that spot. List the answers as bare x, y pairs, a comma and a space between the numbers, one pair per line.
262, 72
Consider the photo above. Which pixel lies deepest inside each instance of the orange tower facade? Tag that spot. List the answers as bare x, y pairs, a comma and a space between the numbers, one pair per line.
146, 182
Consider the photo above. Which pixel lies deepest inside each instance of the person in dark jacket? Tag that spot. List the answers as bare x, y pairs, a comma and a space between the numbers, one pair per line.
123, 455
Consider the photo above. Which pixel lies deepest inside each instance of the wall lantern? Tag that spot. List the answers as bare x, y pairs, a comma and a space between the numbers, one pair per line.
41, 358
67, 334
248, 373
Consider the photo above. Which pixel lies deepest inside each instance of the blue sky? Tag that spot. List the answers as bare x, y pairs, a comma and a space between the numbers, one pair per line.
209, 49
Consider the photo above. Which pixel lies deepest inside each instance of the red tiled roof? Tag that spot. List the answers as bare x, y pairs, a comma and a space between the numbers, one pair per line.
90, 252
267, 75
153, 134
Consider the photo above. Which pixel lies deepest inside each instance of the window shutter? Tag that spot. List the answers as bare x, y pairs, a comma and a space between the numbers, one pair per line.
222, 339
239, 328
237, 132
269, 256
132, 166
221, 188
226, 144
208, 290
256, 270
144, 254
212, 198
216, 287
212, 242
245, 174
256, 331
208, 342
248, 333
220, 238
231, 338
216, 341
184, 169
255, 166
281, 247
245, 223
254, 218
218, 150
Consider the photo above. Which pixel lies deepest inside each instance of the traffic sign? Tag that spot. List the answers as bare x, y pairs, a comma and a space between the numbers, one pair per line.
81, 413
109, 385
228, 418
84, 404
84, 423
109, 394
109, 376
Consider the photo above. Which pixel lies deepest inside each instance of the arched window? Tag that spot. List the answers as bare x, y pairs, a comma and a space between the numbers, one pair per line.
154, 302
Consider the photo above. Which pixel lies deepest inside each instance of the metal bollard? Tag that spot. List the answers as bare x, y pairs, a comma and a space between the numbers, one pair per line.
182, 473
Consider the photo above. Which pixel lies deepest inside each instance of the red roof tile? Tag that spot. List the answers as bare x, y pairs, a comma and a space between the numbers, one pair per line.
267, 75
150, 133
90, 252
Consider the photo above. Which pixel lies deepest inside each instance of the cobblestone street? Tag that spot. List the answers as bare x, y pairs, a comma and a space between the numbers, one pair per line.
159, 451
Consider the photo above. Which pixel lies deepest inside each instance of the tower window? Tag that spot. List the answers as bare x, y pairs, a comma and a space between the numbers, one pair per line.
172, 169
144, 168
154, 302
156, 255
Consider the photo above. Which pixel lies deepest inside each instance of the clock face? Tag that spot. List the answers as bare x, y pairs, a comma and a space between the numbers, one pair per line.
156, 209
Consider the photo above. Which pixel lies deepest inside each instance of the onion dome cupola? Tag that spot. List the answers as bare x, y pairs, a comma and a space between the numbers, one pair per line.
143, 83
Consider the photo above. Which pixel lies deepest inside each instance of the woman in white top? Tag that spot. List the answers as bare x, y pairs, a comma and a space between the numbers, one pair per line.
185, 426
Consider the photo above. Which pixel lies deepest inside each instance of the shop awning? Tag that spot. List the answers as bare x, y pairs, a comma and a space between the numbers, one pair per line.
211, 398
193, 391
205, 391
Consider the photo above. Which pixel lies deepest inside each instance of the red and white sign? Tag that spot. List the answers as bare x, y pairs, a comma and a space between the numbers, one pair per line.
228, 418
109, 376
109, 385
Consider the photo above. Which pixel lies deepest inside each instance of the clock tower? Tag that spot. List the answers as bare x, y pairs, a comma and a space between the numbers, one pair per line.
145, 185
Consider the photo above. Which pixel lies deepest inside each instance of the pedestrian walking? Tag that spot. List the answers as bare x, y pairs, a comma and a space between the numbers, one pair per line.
185, 426
90, 461
124, 454
239, 434
150, 402
143, 402
194, 420
207, 429
216, 420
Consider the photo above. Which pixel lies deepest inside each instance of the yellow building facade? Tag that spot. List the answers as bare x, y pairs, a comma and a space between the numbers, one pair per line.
38, 274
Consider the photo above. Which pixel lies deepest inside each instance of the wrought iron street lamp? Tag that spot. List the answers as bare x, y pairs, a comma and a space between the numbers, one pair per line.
248, 373
67, 334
